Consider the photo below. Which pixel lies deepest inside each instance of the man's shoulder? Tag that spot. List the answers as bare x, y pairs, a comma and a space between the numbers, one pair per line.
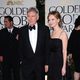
16, 28
46, 28
23, 27
4, 29
43, 26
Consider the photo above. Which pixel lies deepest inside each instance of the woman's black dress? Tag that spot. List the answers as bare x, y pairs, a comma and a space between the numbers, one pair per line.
55, 59
74, 48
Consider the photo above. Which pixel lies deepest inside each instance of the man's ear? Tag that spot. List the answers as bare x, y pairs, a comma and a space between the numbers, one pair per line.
37, 17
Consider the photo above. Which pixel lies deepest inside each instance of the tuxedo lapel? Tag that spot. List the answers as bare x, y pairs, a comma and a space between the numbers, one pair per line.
38, 38
6, 30
13, 31
27, 41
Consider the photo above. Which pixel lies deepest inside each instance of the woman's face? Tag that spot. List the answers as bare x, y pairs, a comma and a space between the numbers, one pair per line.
53, 21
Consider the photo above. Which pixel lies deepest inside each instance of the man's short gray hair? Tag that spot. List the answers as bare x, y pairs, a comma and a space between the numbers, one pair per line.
34, 9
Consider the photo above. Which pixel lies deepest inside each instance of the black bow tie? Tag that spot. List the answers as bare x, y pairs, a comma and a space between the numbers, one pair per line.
31, 28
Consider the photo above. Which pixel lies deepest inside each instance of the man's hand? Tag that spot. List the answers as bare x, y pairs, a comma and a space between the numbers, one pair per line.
69, 59
1, 58
46, 68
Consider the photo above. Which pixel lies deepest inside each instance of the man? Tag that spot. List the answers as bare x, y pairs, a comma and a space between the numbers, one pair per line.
9, 50
33, 47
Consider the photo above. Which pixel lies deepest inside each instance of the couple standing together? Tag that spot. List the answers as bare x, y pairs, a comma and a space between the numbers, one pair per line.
41, 52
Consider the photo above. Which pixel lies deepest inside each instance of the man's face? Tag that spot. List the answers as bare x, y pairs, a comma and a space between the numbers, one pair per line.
32, 17
7, 23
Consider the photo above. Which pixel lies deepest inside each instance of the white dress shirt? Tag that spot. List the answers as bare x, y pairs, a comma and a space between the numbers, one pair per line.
33, 37
10, 30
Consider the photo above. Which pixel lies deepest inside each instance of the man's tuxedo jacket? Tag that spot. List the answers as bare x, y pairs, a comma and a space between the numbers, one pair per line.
31, 60
9, 44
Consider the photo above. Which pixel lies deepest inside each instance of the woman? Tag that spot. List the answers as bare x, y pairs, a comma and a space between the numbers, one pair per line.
74, 48
58, 48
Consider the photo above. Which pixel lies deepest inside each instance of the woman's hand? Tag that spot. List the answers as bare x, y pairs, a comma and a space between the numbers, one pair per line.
63, 70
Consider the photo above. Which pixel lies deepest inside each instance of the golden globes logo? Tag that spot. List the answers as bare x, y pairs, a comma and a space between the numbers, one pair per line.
14, 2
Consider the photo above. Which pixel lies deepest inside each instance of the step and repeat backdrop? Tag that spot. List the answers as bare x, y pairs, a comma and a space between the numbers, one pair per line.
69, 9
15, 8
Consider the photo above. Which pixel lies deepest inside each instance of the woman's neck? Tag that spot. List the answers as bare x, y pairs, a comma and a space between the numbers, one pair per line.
57, 29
